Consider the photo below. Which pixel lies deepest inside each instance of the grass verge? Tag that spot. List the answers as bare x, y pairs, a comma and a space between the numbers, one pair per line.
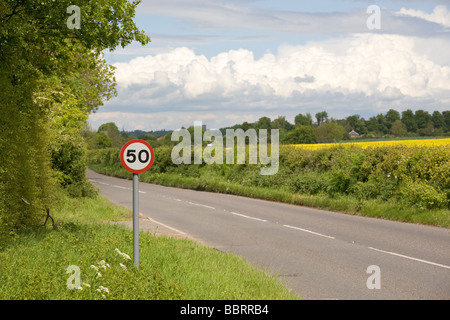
41, 264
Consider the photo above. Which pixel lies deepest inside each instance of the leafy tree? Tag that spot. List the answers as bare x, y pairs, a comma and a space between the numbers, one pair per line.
356, 123
305, 120
103, 141
321, 117
112, 131
51, 77
446, 115
281, 123
423, 119
409, 120
263, 123
398, 129
299, 135
391, 116
109, 127
245, 126
438, 120
329, 133
377, 124
147, 137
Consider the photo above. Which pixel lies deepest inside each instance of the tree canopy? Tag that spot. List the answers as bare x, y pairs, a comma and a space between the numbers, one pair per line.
52, 77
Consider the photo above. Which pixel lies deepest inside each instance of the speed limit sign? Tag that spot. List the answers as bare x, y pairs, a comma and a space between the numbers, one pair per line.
137, 156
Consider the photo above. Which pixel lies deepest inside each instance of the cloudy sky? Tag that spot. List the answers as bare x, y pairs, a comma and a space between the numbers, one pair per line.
226, 62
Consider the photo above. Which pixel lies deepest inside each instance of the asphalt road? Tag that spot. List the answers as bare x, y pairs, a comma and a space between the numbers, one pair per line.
317, 253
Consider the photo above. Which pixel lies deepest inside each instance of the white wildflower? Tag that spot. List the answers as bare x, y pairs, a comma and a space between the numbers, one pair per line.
86, 284
99, 274
124, 255
103, 289
94, 267
103, 264
124, 267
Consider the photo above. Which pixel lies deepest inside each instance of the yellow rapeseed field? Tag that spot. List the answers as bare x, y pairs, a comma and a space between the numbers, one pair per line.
374, 144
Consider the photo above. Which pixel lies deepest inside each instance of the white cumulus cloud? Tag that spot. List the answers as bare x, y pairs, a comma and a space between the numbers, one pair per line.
370, 64
440, 15
361, 72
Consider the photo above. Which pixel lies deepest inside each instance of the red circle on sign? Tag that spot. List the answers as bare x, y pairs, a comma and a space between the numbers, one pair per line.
126, 162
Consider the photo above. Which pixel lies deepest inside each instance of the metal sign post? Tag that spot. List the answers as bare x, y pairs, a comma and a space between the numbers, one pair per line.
136, 156
136, 219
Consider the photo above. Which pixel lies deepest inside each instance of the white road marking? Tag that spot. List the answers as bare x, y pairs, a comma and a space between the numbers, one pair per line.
412, 258
166, 226
120, 187
248, 217
287, 226
306, 230
100, 182
201, 205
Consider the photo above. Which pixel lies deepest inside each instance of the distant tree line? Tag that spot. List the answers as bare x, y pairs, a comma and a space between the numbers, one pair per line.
323, 129
109, 136
304, 130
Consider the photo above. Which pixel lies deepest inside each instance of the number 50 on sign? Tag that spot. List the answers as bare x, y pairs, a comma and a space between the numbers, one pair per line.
137, 156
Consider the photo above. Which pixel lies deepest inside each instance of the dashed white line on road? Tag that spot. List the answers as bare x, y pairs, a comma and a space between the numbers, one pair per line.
100, 182
306, 230
248, 217
201, 205
412, 258
120, 187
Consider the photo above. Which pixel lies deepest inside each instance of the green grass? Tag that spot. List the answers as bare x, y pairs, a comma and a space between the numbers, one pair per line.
35, 264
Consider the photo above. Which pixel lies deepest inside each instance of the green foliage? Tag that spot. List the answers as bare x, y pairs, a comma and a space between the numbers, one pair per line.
52, 77
113, 137
34, 266
339, 182
308, 182
300, 134
329, 132
423, 195
147, 137
322, 117
304, 120
102, 141
404, 180
409, 120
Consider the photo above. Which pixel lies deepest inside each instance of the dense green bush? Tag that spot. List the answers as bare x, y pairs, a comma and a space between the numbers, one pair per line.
373, 173
423, 195
414, 175
308, 182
